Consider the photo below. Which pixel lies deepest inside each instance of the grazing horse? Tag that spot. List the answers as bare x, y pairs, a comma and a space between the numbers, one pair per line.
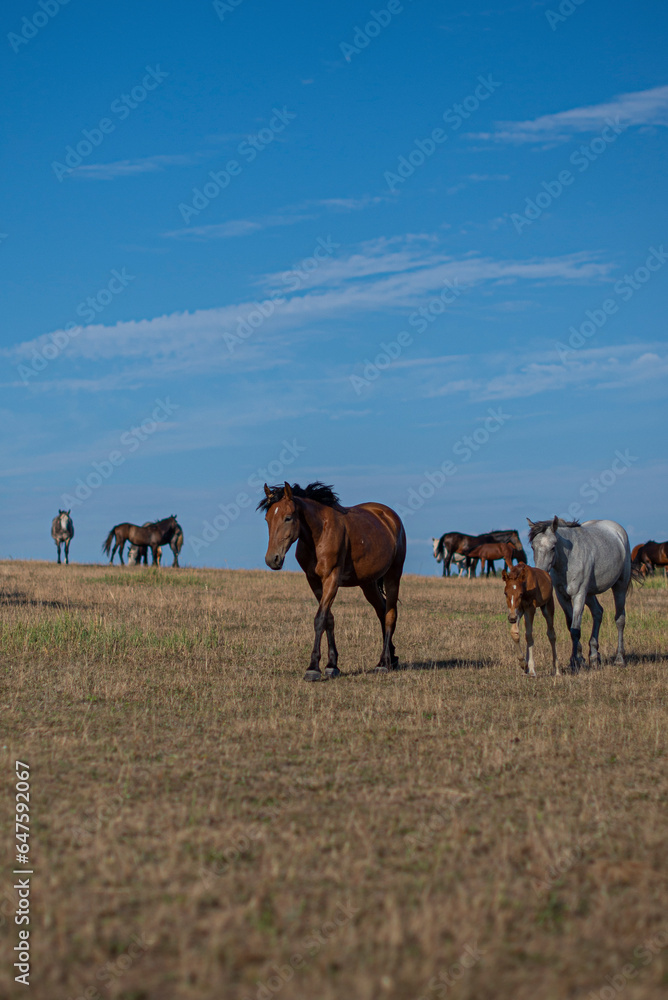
528, 589
584, 560
62, 532
362, 546
645, 558
153, 535
490, 551
138, 554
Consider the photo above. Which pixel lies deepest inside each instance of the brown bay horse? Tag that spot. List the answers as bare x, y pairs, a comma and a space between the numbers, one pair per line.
153, 535
490, 551
457, 543
528, 589
362, 546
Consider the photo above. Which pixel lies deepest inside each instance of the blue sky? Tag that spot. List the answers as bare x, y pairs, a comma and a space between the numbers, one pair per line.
416, 253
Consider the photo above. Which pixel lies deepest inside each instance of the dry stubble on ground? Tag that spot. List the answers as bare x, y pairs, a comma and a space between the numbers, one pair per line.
205, 824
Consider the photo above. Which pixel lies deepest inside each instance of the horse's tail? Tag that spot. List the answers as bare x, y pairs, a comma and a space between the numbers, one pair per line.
637, 575
107, 545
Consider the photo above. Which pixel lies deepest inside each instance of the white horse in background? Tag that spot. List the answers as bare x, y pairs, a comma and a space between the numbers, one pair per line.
62, 532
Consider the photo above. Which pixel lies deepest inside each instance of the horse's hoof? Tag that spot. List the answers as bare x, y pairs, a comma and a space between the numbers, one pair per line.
381, 669
395, 662
332, 672
620, 661
313, 675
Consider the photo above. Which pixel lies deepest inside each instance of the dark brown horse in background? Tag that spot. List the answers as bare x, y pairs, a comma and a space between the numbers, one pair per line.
138, 554
362, 546
153, 536
645, 558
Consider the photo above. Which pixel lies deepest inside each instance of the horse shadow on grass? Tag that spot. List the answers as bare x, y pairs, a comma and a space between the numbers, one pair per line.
18, 599
455, 663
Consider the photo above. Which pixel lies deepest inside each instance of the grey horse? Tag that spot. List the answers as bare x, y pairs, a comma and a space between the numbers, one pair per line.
62, 532
584, 560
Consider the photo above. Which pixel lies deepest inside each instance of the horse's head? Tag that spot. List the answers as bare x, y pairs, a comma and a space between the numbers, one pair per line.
544, 543
64, 518
438, 551
516, 585
283, 522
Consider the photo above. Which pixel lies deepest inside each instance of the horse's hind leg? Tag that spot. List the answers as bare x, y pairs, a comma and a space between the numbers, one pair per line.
619, 593
597, 614
391, 581
373, 595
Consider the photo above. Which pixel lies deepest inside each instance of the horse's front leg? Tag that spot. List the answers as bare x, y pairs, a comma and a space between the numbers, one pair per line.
330, 587
528, 626
575, 624
67, 552
331, 670
58, 547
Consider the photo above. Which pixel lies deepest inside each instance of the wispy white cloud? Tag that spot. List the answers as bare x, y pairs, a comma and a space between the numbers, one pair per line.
381, 277
128, 168
642, 107
235, 227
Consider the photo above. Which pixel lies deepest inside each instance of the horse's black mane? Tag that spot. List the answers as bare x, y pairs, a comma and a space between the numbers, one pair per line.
314, 491
538, 527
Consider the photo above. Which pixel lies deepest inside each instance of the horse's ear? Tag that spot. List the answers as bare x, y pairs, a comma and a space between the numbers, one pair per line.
555, 523
267, 491
288, 491
504, 574
530, 521
68, 512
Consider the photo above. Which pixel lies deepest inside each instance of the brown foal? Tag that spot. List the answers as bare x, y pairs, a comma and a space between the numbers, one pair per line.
528, 589
362, 546
491, 551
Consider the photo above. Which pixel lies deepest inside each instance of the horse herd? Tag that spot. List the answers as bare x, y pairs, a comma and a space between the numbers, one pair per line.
365, 546
151, 535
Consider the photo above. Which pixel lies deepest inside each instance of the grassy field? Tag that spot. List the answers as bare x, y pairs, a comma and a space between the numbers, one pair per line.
205, 824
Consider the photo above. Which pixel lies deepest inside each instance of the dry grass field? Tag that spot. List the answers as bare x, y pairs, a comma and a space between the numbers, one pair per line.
205, 824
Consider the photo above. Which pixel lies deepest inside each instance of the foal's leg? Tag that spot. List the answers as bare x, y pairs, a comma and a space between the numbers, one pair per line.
528, 625
619, 593
331, 670
548, 615
329, 588
597, 614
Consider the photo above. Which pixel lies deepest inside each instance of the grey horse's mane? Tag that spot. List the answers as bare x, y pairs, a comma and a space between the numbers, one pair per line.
538, 527
314, 491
